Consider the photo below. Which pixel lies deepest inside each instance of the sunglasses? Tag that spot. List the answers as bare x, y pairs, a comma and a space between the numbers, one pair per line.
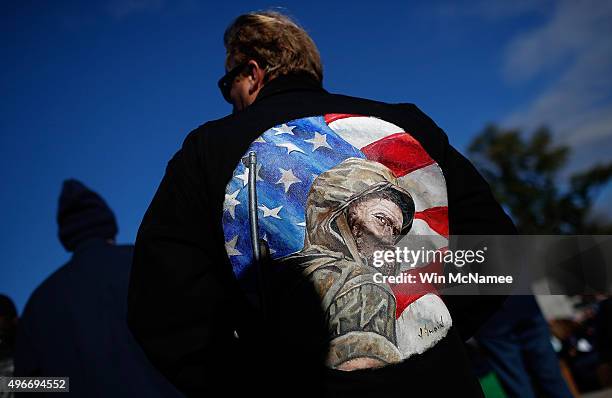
226, 82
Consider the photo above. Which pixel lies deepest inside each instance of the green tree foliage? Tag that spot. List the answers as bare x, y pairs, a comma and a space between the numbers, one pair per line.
525, 175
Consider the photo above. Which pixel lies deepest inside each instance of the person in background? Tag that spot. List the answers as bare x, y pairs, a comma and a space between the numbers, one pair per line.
74, 324
8, 324
516, 342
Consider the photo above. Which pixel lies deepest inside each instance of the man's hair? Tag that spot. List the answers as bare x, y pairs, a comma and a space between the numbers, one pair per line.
275, 41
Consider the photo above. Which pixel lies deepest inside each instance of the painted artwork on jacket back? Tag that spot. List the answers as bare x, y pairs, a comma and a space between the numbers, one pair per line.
331, 190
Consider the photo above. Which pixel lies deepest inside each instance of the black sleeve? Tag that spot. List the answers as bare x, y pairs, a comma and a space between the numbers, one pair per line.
472, 210
180, 297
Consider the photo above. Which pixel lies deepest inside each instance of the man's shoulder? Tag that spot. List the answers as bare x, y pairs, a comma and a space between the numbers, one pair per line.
45, 295
369, 102
237, 131
403, 113
407, 111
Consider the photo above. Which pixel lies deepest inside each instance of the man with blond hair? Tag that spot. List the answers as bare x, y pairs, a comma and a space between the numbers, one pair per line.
250, 262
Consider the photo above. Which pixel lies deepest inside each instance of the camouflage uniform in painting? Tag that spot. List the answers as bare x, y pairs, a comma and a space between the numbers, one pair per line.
360, 313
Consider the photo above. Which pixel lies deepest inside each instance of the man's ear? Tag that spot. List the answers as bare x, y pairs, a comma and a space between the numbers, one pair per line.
256, 76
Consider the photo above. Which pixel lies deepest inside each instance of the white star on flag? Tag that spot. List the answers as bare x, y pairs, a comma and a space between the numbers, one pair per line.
301, 224
287, 178
265, 237
284, 129
260, 139
290, 147
230, 203
271, 212
319, 141
230, 247
245, 175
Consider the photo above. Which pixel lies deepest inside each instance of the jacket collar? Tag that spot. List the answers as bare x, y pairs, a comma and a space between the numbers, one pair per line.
291, 82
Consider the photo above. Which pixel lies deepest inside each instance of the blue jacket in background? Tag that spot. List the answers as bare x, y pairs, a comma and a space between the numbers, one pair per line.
74, 325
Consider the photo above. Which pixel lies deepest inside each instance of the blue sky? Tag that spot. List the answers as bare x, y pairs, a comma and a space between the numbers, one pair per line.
106, 91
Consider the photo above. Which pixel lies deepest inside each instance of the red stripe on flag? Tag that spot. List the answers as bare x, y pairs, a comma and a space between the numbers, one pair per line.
332, 117
436, 218
407, 293
399, 152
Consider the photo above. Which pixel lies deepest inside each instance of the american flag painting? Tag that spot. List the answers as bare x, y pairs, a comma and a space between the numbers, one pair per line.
291, 155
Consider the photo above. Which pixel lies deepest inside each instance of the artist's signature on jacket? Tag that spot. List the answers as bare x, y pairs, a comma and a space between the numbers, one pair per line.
425, 331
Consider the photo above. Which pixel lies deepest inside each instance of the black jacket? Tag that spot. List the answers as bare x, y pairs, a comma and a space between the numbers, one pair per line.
185, 304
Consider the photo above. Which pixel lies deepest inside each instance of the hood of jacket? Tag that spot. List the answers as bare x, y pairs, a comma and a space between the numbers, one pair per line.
82, 214
334, 190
